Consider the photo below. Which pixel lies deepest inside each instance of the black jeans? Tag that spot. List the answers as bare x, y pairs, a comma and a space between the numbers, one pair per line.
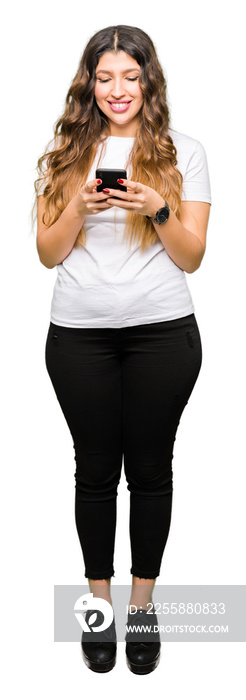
122, 392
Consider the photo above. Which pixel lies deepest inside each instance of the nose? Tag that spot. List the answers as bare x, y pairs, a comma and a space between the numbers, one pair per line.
118, 89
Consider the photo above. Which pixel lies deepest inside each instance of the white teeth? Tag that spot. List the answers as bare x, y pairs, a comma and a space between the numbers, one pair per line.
119, 104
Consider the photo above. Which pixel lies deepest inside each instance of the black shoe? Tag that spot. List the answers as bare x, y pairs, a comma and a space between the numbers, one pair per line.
99, 648
142, 654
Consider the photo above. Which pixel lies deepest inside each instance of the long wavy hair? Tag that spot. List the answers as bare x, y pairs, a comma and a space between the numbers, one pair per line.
83, 127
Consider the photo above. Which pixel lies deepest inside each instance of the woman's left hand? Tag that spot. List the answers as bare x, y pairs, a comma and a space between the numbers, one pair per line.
140, 199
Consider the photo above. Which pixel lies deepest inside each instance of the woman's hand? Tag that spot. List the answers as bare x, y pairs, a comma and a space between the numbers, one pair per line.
139, 198
89, 201
184, 240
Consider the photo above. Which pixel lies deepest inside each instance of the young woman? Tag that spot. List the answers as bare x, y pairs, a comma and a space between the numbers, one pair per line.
123, 350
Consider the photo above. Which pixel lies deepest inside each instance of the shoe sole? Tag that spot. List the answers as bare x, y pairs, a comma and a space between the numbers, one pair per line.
99, 667
143, 668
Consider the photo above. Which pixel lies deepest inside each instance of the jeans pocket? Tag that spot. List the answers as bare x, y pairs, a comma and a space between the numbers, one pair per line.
189, 339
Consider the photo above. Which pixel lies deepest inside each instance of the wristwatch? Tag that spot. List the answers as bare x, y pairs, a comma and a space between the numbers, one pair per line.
162, 215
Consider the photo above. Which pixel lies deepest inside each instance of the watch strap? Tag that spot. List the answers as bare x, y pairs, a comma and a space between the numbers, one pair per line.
155, 219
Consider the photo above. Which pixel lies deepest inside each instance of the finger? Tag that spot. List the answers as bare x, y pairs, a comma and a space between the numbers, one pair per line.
132, 185
103, 205
127, 196
90, 185
122, 204
93, 194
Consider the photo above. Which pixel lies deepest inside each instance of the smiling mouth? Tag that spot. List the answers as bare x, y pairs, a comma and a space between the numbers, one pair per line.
119, 106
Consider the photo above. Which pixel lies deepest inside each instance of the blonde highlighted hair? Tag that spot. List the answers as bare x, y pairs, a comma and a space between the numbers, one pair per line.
83, 127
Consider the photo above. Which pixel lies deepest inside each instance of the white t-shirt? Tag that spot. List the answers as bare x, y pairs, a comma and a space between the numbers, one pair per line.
107, 284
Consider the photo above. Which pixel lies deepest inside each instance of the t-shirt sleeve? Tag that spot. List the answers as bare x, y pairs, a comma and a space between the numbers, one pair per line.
196, 183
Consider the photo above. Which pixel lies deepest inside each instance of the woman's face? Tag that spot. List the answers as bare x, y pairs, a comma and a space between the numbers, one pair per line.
118, 93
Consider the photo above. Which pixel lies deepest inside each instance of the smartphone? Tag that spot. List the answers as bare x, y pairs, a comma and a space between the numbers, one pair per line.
109, 179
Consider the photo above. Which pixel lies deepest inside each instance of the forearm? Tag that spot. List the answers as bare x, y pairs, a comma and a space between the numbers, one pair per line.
182, 246
55, 243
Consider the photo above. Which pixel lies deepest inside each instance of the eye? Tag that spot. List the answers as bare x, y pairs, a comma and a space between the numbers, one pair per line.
107, 79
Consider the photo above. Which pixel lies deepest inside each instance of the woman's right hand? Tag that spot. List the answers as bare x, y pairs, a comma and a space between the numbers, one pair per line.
90, 201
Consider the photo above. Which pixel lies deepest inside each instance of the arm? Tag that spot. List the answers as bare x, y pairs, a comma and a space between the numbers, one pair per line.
184, 239
55, 242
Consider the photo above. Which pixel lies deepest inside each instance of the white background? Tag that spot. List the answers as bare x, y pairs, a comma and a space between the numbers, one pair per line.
200, 49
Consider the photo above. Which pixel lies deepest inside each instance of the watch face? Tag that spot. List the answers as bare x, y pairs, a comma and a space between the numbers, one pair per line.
163, 215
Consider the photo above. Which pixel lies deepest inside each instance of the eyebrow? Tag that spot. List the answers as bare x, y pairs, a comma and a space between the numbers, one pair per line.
129, 70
